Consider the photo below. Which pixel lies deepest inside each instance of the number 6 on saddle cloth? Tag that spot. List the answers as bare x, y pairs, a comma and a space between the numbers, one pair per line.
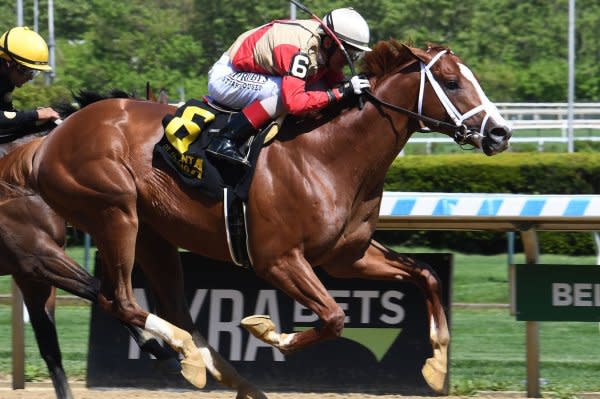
187, 135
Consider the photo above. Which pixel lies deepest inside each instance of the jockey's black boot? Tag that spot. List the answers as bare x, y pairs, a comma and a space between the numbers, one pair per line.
225, 145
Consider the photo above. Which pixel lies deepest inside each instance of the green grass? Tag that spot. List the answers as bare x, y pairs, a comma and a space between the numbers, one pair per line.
487, 350
488, 353
73, 328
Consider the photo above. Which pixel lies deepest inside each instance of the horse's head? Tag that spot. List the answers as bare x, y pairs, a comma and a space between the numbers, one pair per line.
449, 91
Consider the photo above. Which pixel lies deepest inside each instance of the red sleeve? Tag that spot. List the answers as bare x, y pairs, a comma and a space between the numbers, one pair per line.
297, 100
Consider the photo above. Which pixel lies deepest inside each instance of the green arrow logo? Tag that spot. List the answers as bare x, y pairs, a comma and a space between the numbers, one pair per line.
377, 340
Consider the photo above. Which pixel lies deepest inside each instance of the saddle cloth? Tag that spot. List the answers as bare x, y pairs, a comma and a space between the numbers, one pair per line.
187, 135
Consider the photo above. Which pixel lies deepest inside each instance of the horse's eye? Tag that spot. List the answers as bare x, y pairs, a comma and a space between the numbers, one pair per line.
452, 84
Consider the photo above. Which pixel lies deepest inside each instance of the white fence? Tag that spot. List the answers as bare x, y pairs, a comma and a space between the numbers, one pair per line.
526, 118
536, 111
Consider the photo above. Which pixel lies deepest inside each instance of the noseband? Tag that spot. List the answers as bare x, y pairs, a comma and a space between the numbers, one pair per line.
461, 133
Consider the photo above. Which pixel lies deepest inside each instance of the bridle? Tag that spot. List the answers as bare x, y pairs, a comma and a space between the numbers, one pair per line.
461, 133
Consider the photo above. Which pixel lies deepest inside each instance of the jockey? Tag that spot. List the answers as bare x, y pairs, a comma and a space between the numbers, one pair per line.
285, 66
23, 54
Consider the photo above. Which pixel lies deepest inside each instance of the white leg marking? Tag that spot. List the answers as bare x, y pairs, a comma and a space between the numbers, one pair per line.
162, 329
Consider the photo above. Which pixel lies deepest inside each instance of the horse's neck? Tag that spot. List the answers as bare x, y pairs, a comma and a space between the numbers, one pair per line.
367, 141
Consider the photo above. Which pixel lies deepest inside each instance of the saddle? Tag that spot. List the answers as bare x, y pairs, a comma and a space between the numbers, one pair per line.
183, 148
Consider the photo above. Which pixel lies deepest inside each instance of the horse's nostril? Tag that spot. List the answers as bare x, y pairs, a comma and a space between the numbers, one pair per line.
501, 131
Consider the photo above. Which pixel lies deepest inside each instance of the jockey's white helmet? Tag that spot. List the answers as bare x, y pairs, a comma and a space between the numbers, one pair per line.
350, 27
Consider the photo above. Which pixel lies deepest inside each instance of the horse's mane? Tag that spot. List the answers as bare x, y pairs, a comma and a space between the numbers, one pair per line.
84, 98
11, 190
64, 109
387, 56
16, 157
15, 167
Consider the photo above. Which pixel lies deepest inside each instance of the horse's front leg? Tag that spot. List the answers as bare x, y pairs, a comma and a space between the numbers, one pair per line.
381, 263
293, 275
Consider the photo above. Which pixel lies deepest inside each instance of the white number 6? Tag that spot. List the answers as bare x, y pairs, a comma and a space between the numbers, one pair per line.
299, 68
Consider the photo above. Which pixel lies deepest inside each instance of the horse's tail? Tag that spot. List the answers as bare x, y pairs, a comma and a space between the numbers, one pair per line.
16, 169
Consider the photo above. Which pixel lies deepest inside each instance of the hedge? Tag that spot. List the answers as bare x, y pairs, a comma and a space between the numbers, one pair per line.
516, 173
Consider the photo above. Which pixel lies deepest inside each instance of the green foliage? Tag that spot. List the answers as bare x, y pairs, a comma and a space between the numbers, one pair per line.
37, 94
525, 173
518, 49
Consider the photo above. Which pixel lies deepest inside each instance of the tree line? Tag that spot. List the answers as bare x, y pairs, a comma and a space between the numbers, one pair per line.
518, 49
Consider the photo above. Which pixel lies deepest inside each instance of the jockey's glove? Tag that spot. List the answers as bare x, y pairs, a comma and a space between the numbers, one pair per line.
359, 84
355, 86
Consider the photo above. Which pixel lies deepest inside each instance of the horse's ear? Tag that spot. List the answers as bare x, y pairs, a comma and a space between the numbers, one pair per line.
419, 54
163, 98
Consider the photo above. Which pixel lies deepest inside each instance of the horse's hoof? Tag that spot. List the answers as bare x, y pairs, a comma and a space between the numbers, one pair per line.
258, 325
435, 375
193, 370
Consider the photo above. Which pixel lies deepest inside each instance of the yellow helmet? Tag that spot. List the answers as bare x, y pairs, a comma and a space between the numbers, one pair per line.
25, 47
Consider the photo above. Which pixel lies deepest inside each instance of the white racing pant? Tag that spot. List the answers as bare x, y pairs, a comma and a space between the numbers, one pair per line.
239, 89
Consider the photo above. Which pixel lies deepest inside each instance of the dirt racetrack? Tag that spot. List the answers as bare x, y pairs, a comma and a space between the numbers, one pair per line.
83, 393
45, 391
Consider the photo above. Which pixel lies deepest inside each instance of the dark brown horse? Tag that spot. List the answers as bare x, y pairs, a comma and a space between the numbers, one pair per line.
28, 253
314, 200
32, 237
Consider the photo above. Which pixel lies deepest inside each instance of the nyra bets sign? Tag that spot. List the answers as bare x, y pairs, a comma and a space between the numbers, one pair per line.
558, 292
383, 348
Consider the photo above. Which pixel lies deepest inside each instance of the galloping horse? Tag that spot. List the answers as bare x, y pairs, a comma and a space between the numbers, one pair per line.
314, 199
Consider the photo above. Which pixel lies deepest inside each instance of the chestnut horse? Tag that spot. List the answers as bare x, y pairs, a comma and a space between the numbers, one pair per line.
314, 199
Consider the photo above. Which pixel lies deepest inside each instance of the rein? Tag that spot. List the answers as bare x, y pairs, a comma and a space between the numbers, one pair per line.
435, 122
461, 132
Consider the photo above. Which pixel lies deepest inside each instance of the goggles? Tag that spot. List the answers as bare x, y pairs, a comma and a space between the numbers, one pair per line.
27, 72
354, 53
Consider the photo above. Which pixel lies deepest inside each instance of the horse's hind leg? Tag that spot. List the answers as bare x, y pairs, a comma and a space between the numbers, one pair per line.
381, 263
96, 191
39, 299
162, 268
